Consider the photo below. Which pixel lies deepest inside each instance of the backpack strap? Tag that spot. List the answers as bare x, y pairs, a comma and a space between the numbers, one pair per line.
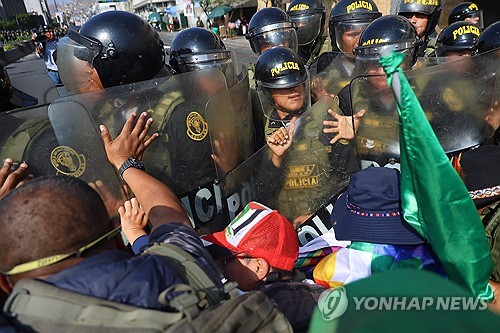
189, 270
44, 306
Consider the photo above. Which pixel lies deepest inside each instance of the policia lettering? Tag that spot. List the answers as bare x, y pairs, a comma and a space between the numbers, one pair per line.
299, 6
359, 4
423, 2
467, 29
289, 65
374, 41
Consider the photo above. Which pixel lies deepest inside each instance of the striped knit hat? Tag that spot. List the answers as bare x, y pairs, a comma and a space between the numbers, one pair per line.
262, 233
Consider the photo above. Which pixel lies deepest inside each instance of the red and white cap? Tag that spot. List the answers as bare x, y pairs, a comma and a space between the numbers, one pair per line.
262, 233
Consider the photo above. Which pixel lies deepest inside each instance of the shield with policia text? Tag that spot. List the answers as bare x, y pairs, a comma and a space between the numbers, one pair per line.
182, 155
312, 172
456, 97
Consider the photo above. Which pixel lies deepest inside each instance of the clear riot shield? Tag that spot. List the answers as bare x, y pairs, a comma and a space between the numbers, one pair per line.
335, 76
180, 157
36, 88
312, 172
230, 123
27, 135
455, 95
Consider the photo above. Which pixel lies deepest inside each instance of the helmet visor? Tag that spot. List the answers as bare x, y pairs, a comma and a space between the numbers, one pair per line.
223, 60
74, 61
347, 35
476, 18
308, 27
369, 63
286, 37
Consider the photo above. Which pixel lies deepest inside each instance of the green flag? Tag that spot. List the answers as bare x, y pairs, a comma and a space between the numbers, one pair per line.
434, 199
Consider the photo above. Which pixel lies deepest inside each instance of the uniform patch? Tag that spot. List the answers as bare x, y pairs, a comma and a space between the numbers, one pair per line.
301, 176
197, 127
67, 161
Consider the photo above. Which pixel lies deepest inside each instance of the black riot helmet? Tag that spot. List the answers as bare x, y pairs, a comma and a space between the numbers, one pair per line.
430, 8
122, 47
489, 39
352, 17
387, 33
466, 11
308, 16
457, 37
280, 67
271, 27
197, 48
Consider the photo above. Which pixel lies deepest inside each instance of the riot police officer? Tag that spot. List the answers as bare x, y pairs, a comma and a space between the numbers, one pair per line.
271, 27
347, 21
309, 19
202, 68
488, 45
424, 16
104, 53
282, 81
310, 164
457, 40
392, 33
468, 12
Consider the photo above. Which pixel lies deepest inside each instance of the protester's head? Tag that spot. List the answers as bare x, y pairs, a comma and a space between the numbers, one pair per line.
49, 217
347, 21
479, 170
467, 12
271, 27
263, 245
370, 210
283, 80
385, 34
110, 49
49, 32
457, 40
423, 15
308, 16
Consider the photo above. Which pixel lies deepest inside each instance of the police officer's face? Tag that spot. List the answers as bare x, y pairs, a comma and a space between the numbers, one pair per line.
474, 20
350, 40
419, 21
289, 99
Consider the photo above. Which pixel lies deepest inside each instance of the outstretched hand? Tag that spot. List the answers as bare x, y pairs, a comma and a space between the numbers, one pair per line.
9, 179
131, 142
342, 125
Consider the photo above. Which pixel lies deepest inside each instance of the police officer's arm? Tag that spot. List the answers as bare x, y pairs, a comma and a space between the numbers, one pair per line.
157, 200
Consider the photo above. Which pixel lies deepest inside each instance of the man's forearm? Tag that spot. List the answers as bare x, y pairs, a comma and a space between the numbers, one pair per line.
158, 201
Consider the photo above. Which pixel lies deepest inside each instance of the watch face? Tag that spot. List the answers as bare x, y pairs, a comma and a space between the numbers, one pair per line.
136, 163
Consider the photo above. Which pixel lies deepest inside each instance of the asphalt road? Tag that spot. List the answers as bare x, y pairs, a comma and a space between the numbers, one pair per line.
30, 64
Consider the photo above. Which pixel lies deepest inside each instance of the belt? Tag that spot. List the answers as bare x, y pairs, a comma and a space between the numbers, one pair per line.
51, 70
